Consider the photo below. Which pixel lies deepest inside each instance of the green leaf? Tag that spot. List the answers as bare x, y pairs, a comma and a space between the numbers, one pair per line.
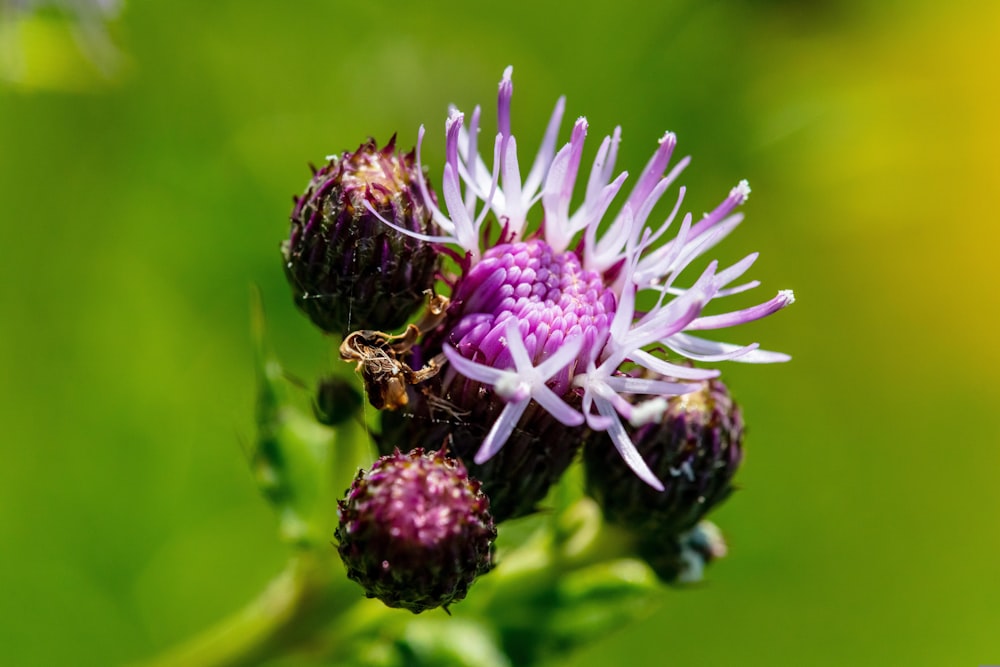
450, 642
596, 600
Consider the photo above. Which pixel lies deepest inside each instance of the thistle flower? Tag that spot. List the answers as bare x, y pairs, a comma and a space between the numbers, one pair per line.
347, 270
415, 530
546, 313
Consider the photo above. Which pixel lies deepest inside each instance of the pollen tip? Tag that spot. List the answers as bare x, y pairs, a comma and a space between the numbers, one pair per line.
787, 295
509, 387
741, 191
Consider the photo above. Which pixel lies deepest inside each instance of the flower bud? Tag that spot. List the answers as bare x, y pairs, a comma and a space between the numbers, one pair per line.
348, 269
415, 530
694, 450
336, 401
682, 559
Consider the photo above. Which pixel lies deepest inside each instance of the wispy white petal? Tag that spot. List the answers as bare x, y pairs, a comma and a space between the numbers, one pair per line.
783, 299
545, 152
630, 385
657, 365
568, 351
472, 370
624, 445
557, 407
500, 433
700, 349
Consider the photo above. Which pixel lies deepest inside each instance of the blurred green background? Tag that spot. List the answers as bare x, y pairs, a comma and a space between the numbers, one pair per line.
147, 164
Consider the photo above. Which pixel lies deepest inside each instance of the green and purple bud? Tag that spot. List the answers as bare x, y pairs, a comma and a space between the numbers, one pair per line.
694, 448
415, 531
348, 269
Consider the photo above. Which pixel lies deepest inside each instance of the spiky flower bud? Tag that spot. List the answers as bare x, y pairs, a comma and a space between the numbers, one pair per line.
695, 450
415, 530
347, 268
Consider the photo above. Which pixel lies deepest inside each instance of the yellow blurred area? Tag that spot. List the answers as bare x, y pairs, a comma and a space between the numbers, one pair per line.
918, 186
936, 138
896, 127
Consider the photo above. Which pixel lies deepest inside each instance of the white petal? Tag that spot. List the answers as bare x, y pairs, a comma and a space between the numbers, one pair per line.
700, 349
624, 445
409, 232
515, 345
555, 406
630, 385
568, 351
544, 157
502, 428
647, 360
783, 299
729, 274
473, 370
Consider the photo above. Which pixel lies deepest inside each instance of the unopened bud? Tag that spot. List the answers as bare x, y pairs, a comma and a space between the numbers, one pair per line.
682, 559
415, 530
348, 269
695, 450
336, 401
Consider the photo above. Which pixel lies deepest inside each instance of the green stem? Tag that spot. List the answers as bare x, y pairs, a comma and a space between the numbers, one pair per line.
576, 539
293, 606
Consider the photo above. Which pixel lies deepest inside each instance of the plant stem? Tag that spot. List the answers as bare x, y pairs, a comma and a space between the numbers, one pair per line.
292, 607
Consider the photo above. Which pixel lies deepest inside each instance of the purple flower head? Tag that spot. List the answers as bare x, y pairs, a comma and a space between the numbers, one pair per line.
415, 531
547, 312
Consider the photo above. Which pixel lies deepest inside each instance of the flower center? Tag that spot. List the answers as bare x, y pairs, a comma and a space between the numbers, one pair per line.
550, 294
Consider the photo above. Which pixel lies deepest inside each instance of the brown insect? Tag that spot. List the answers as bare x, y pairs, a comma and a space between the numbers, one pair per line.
377, 354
